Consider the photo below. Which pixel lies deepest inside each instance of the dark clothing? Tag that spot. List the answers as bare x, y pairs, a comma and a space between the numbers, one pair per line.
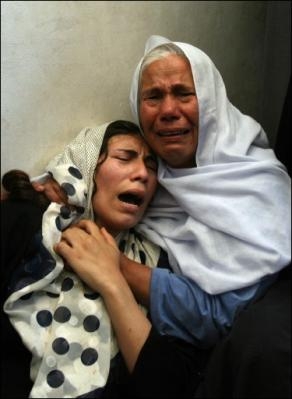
20, 220
254, 360
167, 368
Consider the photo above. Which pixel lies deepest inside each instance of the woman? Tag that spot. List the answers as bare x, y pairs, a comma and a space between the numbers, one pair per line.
62, 321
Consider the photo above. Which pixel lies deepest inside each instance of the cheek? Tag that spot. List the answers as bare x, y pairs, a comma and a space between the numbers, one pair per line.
97, 200
101, 189
152, 187
146, 115
109, 172
192, 112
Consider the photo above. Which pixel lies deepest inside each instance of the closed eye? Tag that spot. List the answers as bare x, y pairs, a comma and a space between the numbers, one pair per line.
151, 163
125, 155
152, 94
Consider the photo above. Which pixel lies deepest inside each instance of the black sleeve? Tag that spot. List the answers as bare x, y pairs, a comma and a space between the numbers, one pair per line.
167, 367
20, 220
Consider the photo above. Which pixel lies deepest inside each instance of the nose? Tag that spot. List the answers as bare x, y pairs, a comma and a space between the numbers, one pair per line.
169, 108
140, 171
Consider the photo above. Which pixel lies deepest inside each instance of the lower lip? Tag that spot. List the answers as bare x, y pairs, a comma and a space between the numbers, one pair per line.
179, 139
132, 208
175, 135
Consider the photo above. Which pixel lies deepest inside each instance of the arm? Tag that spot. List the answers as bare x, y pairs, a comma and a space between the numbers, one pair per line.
179, 307
138, 277
94, 256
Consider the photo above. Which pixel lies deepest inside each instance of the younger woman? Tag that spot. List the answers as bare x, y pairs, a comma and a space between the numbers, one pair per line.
65, 324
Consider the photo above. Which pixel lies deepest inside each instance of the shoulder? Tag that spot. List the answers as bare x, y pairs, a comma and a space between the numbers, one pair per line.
20, 220
20, 212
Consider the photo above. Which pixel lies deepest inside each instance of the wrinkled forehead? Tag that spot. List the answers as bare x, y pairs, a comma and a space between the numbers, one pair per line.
200, 64
176, 67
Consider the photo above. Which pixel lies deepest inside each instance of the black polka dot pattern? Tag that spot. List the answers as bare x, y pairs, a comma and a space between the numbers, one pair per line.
91, 323
80, 209
89, 356
68, 188
44, 318
67, 284
65, 212
60, 346
75, 172
55, 378
93, 295
62, 314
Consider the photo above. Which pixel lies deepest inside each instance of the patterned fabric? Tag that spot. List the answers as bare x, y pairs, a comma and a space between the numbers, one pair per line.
62, 322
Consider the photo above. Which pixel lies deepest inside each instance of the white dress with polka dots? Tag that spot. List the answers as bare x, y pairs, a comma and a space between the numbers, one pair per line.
61, 321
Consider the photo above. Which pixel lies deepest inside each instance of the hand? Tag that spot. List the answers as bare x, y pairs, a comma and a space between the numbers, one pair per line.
93, 254
52, 190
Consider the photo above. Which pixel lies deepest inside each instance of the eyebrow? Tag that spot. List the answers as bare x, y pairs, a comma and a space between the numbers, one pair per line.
128, 150
175, 87
148, 156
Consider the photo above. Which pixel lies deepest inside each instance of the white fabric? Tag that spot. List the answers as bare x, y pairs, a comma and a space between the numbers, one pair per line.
60, 320
83, 152
227, 222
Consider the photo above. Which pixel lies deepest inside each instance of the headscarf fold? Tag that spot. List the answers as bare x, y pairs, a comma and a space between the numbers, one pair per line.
227, 222
61, 321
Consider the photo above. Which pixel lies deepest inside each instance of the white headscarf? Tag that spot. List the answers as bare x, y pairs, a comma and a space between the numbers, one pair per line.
226, 222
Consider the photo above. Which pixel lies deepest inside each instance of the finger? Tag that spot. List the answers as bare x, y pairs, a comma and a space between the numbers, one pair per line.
109, 238
52, 191
89, 227
59, 192
38, 186
73, 235
53, 196
62, 248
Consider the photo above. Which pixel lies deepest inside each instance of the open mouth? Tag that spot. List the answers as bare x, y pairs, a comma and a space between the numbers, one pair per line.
131, 198
171, 133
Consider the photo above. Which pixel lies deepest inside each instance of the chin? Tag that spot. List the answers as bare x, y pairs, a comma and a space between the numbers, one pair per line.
126, 225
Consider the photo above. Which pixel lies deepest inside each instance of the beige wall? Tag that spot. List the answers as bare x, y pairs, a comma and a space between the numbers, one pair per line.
68, 64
